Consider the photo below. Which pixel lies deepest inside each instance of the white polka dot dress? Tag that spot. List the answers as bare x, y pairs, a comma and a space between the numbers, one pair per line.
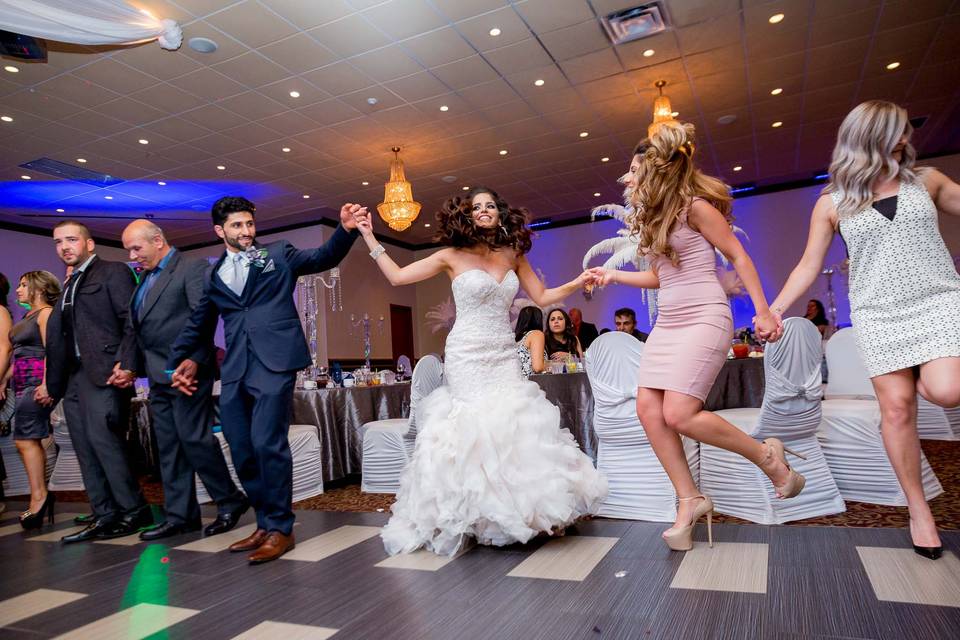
904, 287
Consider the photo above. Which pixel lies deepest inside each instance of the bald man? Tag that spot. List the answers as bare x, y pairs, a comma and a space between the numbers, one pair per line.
170, 289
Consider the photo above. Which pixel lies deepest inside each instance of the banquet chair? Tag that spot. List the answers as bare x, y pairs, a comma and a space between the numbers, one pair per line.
790, 412
17, 483
849, 433
388, 444
66, 474
307, 463
639, 488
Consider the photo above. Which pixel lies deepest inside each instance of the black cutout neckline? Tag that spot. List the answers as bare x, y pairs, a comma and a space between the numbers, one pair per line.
887, 207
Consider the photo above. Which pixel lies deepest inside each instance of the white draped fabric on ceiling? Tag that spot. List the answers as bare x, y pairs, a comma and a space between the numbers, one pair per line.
87, 22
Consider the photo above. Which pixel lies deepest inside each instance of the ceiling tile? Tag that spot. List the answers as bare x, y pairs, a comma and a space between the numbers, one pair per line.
592, 66
664, 46
477, 29
462, 9
227, 47
167, 98
488, 94
712, 34
307, 15
466, 72
418, 86
253, 105
385, 98
289, 123
857, 25
213, 117
552, 77
280, 91
209, 84
438, 47
386, 64
252, 24
550, 101
339, 78
130, 111
330, 112
349, 36
252, 70
687, 12
575, 41
72, 89
299, 53
115, 76
157, 62
715, 61
179, 129
549, 15
401, 19
37, 102
526, 54
903, 12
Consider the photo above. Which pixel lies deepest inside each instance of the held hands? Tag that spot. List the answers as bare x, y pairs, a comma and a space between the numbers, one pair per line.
768, 326
600, 276
184, 377
351, 215
365, 225
41, 397
121, 378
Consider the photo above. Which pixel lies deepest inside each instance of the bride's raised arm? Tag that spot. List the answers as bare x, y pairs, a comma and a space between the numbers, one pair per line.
430, 266
540, 295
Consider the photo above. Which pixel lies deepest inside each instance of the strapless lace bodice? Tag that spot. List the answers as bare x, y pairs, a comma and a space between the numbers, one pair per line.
481, 355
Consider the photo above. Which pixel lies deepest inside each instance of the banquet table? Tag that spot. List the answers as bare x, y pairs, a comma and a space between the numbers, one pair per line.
338, 412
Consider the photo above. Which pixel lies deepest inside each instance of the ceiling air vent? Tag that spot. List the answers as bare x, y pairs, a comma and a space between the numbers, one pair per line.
634, 24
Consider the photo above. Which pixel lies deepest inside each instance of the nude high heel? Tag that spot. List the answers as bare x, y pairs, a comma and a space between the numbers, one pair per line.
681, 538
795, 483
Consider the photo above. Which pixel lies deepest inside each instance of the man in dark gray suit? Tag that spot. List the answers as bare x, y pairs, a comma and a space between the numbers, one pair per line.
169, 291
84, 347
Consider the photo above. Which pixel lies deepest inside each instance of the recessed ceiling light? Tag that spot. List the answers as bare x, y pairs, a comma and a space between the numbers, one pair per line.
82, 160
776, 92
294, 94
466, 188
365, 183
108, 197
495, 31
604, 159
25, 177
775, 18
372, 101
674, 114
892, 66
202, 45
306, 196
737, 168
584, 134
538, 82
6, 118
59, 210
777, 124
12, 69
503, 152
162, 183
285, 149
143, 141
220, 167
426, 224
648, 53
444, 107
596, 194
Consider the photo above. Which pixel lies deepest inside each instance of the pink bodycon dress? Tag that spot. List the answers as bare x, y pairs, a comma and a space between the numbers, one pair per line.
692, 335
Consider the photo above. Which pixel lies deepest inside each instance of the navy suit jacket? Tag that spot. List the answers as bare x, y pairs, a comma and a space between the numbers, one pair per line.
263, 320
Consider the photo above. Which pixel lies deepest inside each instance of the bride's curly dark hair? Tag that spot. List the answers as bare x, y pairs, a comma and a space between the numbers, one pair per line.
457, 228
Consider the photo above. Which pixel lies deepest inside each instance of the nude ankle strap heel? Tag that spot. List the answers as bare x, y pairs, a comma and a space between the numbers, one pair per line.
795, 482
681, 538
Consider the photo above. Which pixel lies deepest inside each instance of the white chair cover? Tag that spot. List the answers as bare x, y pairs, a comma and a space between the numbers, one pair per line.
791, 412
639, 489
936, 423
202, 495
849, 433
17, 483
66, 474
388, 444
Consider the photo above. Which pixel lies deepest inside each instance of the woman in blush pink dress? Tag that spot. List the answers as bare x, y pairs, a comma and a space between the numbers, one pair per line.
682, 218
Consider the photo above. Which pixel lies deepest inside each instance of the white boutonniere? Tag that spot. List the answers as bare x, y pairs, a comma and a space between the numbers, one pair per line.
257, 257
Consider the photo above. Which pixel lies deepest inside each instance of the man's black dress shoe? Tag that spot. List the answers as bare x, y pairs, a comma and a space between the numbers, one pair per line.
169, 529
92, 532
87, 519
128, 525
226, 521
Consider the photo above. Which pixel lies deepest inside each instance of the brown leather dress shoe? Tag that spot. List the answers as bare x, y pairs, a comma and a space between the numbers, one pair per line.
251, 542
272, 548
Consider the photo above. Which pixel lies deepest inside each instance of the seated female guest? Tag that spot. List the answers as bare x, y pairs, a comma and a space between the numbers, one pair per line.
39, 290
818, 316
561, 342
530, 340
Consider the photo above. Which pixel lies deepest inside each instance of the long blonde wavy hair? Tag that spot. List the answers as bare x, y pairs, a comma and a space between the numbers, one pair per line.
864, 153
667, 182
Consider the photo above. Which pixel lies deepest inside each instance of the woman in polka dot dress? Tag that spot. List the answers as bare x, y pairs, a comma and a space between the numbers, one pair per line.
904, 287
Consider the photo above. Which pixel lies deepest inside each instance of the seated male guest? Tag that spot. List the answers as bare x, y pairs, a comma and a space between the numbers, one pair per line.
252, 288
625, 320
170, 289
586, 332
85, 346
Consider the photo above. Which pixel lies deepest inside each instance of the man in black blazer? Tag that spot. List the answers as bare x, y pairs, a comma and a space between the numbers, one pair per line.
170, 289
251, 287
85, 346
586, 332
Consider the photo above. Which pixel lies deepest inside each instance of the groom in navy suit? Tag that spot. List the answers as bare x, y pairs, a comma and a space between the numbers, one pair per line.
251, 287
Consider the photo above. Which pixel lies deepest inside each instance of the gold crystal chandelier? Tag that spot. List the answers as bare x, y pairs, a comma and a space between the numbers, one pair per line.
662, 111
398, 208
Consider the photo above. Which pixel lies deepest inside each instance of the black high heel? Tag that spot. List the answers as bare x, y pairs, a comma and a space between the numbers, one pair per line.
933, 553
30, 520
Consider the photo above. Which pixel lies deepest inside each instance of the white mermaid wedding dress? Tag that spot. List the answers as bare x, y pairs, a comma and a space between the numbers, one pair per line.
491, 461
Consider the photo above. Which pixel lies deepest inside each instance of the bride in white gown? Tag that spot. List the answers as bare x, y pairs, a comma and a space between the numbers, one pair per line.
491, 461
